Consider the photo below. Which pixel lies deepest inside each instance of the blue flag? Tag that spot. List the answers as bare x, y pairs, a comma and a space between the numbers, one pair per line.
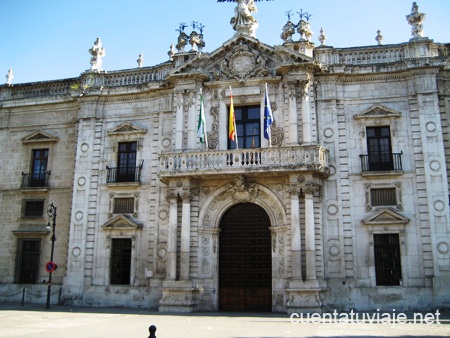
268, 118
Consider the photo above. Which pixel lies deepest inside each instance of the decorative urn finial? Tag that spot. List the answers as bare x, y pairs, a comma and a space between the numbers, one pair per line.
322, 37
304, 27
416, 19
97, 53
288, 29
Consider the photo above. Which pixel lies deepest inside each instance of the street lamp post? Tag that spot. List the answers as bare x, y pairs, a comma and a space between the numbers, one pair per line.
51, 211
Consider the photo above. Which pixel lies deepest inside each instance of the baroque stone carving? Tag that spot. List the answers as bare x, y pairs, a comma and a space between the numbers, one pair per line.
243, 191
213, 135
276, 134
241, 64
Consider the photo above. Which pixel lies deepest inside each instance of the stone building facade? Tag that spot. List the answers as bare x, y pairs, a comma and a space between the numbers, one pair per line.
346, 208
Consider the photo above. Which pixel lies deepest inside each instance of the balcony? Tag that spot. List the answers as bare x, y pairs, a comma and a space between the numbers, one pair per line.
381, 163
312, 158
124, 174
35, 180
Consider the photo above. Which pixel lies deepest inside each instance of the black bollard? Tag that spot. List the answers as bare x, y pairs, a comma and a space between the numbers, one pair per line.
152, 330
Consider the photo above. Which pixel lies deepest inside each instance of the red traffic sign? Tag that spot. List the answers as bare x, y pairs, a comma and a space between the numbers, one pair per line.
50, 266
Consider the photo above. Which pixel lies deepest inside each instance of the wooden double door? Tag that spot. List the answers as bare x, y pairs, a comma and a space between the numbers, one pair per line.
245, 260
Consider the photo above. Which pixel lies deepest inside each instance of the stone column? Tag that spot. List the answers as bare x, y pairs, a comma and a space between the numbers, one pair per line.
171, 270
295, 234
179, 121
192, 122
310, 241
185, 236
293, 117
306, 114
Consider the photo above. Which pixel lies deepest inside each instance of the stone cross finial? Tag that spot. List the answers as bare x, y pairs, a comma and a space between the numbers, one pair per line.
9, 77
415, 19
97, 52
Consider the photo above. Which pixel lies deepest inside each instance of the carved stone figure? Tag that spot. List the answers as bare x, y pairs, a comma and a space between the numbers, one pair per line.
140, 61
243, 21
97, 52
9, 77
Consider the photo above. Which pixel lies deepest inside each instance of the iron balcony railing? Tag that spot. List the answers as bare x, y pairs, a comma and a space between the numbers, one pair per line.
35, 180
293, 158
387, 162
123, 174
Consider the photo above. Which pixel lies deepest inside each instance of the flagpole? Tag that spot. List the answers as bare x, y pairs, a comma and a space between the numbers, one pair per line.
267, 103
234, 119
201, 128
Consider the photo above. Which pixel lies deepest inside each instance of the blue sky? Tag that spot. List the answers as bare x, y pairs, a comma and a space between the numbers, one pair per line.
49, 39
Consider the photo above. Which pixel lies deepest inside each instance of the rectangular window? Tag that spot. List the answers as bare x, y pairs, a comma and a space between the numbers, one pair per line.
127, 162
248, 123
387, 259
27, 261
379, 148
33, 208
383, 197
121, 261
39, 168
124, 205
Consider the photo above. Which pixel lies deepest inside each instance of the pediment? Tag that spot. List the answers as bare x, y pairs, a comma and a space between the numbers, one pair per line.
241, 58
39, 136
386, 217
126, 129
121, 222
377, 111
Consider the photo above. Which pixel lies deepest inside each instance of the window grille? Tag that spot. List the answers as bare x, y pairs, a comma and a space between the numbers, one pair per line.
124, 205
27, 261
383, 196
121, 261
387, 259
33, 208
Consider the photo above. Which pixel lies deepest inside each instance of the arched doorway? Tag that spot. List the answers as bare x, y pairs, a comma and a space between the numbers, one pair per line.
245, 260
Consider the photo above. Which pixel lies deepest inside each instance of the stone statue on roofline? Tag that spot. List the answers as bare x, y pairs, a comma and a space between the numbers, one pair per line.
97, 53
9, 77
243, 21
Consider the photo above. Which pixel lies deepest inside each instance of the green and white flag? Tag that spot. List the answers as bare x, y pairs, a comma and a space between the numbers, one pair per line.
201, 128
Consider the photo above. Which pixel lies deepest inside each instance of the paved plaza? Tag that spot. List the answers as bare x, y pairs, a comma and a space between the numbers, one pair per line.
67, 322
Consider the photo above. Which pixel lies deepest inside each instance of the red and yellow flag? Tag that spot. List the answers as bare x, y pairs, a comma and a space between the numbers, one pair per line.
232, 121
